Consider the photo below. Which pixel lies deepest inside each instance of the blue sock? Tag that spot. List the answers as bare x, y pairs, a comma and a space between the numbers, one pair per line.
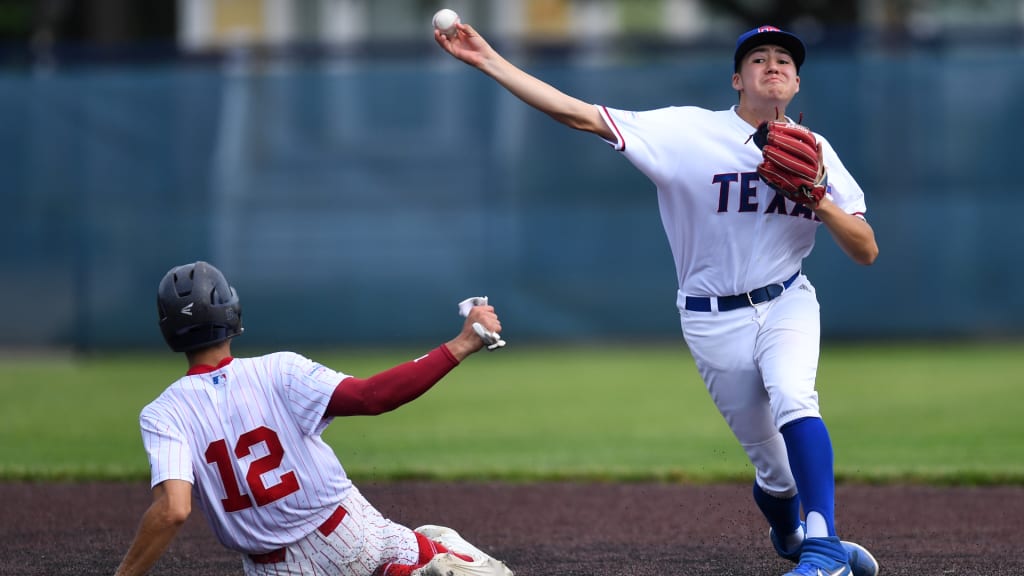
783, 514
810, 458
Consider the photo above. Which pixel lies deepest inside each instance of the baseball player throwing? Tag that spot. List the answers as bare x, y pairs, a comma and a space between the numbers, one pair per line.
243, 434
742, 192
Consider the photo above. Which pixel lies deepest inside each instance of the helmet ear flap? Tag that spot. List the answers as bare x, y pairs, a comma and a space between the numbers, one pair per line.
197, 307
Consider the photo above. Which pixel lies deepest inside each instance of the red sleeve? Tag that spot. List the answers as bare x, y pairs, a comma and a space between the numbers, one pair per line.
391, 388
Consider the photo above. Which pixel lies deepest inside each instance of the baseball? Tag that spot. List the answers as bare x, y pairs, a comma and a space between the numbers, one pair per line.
445, 21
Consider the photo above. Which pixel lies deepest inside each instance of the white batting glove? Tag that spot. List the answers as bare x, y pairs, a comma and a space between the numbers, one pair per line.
492, 339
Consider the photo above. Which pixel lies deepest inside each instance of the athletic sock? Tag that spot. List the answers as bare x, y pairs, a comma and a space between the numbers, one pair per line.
428, 549
395, 570
783, 515
810, 458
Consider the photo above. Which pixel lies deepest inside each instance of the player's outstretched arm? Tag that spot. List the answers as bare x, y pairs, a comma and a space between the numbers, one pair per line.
172, 504
470, 47
408, 381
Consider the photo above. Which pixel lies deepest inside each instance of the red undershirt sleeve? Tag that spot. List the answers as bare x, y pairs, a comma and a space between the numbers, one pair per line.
391, 388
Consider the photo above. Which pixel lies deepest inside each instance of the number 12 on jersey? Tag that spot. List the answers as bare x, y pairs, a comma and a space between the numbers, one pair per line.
218, 453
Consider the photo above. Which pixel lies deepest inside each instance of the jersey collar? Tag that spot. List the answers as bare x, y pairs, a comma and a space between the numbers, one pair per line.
736, 114
206, 368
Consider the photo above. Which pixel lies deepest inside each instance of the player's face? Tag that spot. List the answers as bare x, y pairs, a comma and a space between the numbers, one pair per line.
767, 73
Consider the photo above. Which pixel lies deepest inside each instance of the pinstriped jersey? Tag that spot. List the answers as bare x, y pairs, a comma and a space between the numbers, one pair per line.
246, 435
729, 232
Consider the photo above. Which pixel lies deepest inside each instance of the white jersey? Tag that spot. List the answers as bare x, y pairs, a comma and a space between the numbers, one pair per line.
247, 436
729, 232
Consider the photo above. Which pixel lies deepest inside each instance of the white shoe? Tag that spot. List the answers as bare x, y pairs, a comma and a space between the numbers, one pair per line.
451, 540
447, 564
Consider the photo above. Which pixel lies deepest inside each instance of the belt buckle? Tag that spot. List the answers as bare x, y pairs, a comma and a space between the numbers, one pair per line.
750, 299
768, 293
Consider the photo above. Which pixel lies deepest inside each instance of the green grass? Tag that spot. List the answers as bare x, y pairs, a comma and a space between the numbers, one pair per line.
929, 413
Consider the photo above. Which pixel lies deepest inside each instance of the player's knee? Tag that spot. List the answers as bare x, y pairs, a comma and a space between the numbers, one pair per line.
793, 402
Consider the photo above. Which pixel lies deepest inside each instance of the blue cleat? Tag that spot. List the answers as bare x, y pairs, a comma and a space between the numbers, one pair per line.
862, 563
822, 557
791, 555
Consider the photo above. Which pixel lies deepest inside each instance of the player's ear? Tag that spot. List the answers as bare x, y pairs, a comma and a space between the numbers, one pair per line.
797, 84
737, 82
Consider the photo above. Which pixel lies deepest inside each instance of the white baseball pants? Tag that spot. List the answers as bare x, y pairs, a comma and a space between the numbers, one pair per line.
759, 365
363, 541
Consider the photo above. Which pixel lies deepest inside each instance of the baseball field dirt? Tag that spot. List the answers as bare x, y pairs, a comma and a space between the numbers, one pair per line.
558, 529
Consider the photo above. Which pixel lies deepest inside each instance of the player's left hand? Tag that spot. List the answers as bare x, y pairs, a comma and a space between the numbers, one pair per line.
486, 326
793, 163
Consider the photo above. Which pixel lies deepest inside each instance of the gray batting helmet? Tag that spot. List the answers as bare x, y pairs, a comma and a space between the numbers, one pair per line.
197, 307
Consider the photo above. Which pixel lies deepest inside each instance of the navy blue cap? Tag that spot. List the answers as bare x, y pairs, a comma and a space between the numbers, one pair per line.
769, 35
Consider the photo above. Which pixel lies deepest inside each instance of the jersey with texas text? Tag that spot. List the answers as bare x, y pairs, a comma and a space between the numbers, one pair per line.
728, 231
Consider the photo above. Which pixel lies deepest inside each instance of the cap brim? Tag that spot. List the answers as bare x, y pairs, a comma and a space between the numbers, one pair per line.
791, 43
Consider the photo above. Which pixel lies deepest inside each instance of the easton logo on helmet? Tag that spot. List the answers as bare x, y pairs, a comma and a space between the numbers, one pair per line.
187, 309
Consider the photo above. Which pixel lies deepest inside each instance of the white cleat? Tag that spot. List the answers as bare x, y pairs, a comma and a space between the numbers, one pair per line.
450, 565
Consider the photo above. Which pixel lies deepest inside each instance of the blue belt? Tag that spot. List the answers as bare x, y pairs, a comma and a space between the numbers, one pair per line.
752, 298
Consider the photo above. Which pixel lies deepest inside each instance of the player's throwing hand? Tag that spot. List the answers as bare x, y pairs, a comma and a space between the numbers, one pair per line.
466, 45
